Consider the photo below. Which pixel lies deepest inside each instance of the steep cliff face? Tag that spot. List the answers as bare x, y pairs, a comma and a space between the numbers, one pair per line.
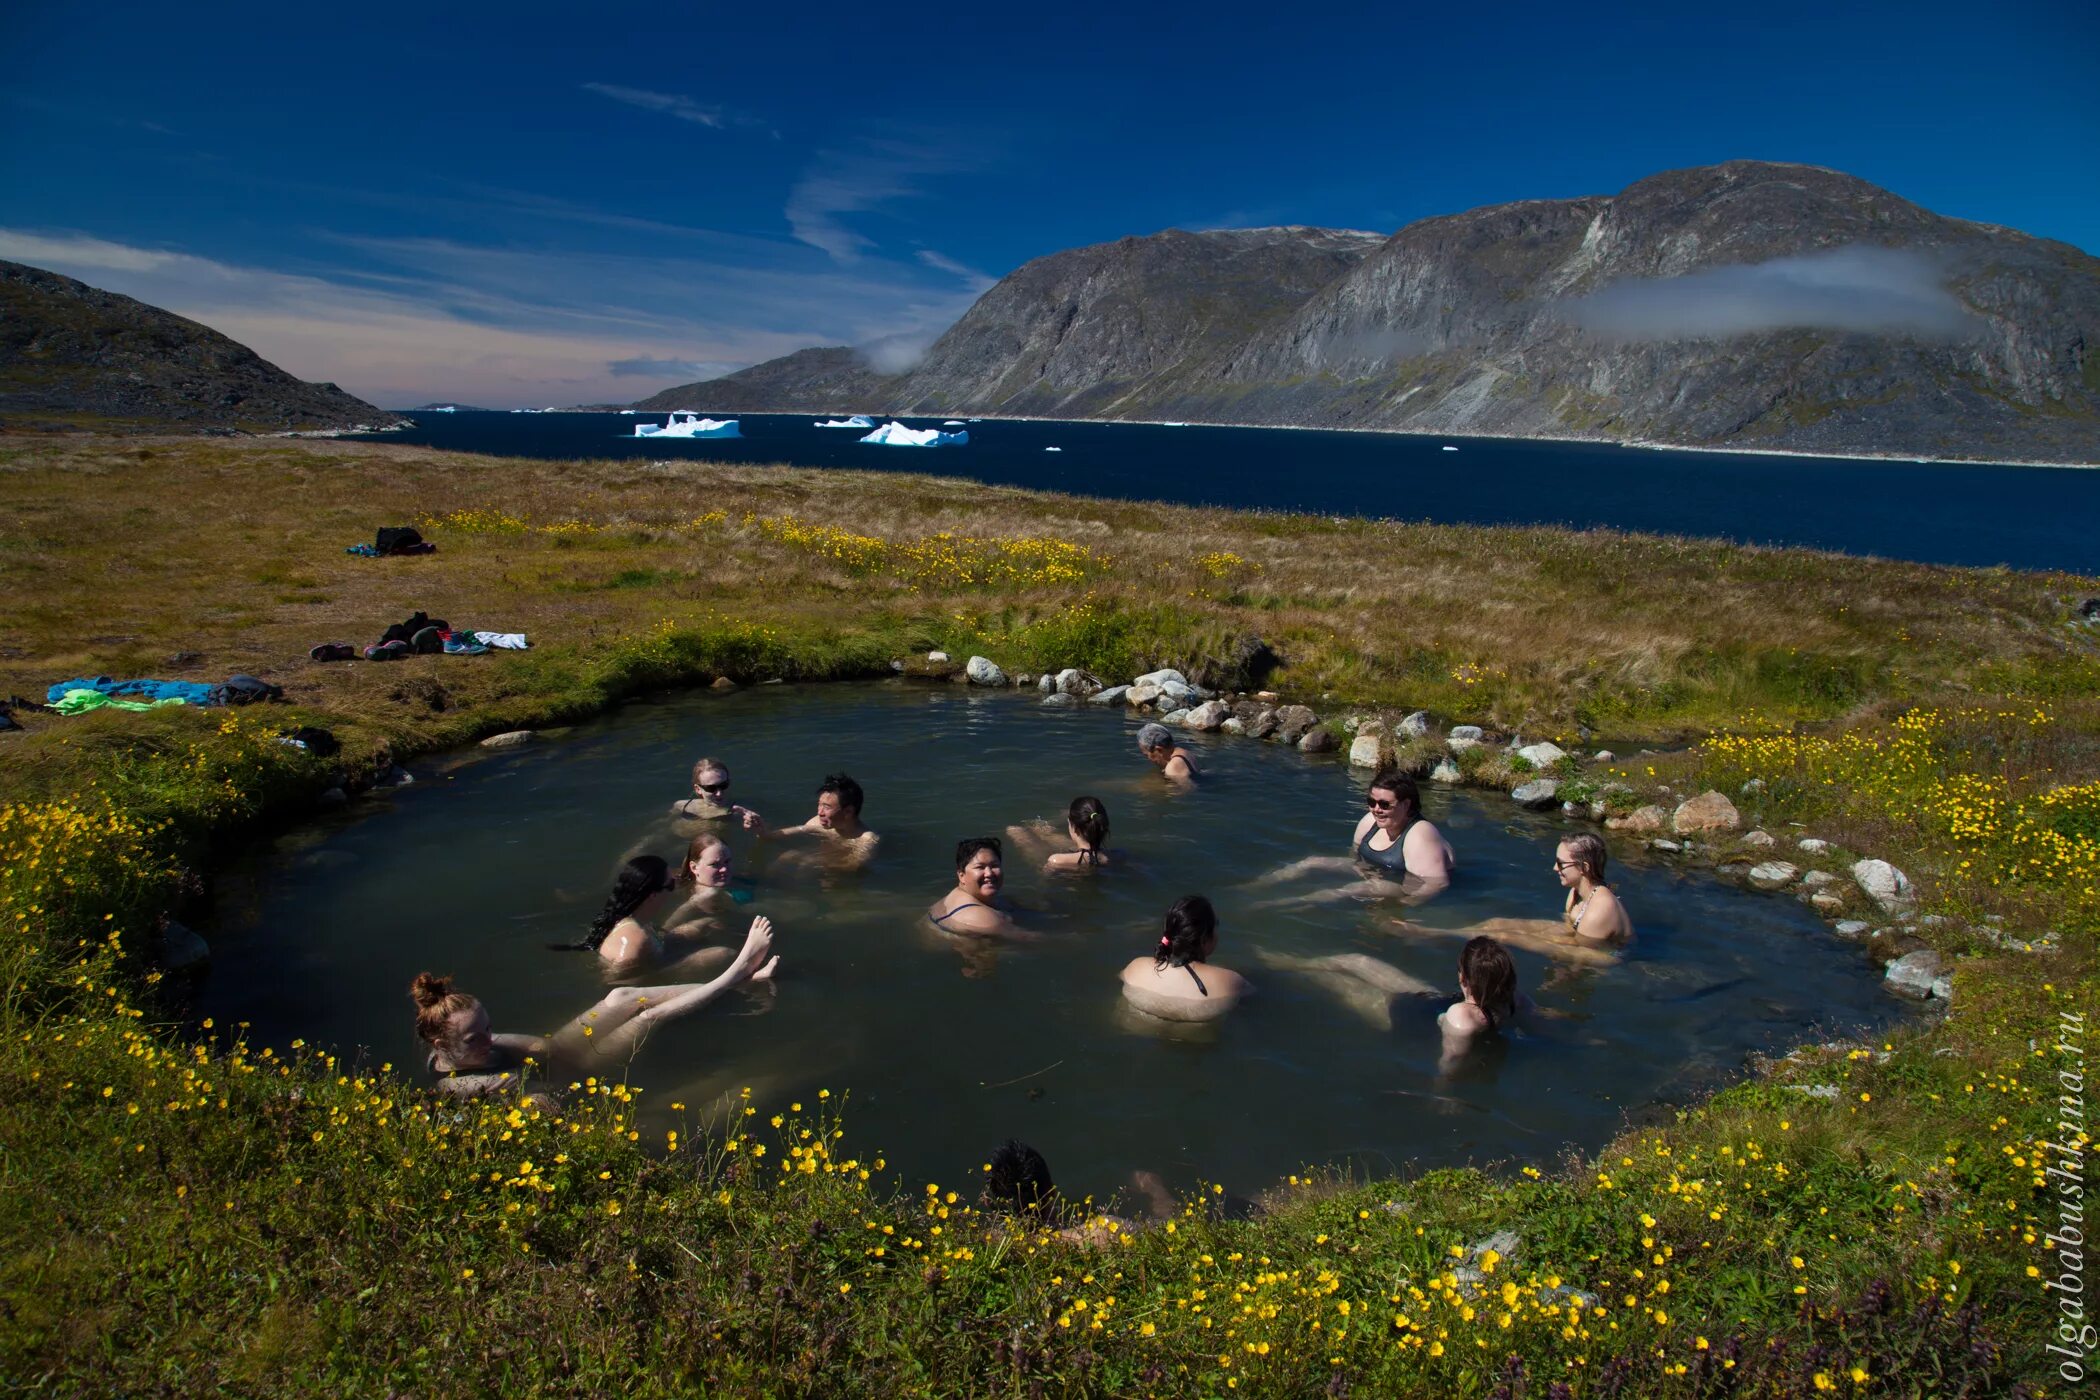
71, 353
1746, 304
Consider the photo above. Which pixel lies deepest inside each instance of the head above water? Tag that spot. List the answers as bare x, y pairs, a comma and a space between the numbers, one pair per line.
710, 778
1397, 789
1487, 975
845, 795
1190, 934
706, 863
1017, 1182
1154, 737
1088, 818
967, 849
450, 1021
638, 880
1584, 853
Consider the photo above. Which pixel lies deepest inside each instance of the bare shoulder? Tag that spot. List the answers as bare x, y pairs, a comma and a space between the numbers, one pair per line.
1364, 824
1463, 1018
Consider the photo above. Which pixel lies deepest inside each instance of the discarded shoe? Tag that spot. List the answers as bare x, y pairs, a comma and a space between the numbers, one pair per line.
334, 651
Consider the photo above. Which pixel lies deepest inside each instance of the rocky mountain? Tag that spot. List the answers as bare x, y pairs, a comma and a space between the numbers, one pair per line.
72, 354
1749, 304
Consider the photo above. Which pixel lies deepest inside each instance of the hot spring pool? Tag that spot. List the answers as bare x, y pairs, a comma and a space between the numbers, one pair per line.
475, 868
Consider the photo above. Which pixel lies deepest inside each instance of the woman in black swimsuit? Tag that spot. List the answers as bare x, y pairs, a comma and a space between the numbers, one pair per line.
974, 905
1178, 982
1395, 844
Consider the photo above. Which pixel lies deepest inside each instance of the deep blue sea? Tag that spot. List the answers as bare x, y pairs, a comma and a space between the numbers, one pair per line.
2023, 517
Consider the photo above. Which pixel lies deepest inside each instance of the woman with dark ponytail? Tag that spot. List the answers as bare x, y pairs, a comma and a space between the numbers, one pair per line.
1086, 824
474, 1060
625, 936
1179, 982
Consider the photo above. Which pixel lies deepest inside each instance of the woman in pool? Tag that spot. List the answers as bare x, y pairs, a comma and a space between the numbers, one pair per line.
625, 935
1593, 928
710, 800
974, 905
708, 887
1178, 982
474, 1060
1156, 743
1086, 823
1399, 853
1487, 990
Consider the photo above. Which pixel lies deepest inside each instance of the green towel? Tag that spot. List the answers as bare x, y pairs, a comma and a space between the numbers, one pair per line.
79, 702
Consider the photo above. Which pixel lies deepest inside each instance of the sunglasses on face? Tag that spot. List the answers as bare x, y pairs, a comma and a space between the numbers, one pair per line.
1567, 865
1380, 804
720, 787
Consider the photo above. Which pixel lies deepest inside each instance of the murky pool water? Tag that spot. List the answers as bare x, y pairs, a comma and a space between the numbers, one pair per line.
474, 869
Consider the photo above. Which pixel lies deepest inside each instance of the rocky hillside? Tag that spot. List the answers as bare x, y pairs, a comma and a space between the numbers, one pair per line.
1742, 305
73, 354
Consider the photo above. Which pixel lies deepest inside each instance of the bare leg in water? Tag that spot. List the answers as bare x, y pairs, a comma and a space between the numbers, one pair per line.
1362, 983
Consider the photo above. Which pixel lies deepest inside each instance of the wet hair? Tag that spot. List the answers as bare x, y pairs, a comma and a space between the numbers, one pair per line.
1190, 932
638, 879
1019, 1182
1154, 736
436, 1004
709, 765
847, 791
1586, 849
1089, 817
693, 852
1485, 967
1401, 786
971, 845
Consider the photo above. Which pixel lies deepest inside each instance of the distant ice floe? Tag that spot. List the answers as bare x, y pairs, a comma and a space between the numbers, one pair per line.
955, 423
1450, 449
897, 435
858, 420
690, 425
1053, 449
1173, 425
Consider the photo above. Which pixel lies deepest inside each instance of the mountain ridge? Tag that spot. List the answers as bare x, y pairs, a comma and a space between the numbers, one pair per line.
1750, 304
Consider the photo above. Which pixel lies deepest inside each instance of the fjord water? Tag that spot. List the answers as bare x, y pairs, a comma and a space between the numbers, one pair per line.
1939, 513
473, 870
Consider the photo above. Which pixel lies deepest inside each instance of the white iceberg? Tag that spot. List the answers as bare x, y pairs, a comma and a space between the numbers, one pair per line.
1450, 449
1053, 449
953, 423
895, 434
690, 425
858, 420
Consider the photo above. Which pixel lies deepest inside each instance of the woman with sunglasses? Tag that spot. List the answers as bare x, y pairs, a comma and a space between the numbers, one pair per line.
710, 800
625, 935
1395, 845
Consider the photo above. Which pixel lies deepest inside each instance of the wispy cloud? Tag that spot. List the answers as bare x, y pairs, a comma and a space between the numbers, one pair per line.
671, 104
682, 370
976, 281
1859, 288
876, 173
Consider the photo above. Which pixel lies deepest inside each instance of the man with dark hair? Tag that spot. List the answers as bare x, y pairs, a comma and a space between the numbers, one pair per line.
837, 819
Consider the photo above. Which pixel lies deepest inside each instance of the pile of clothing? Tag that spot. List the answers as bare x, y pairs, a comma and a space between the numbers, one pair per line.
84, 693
423, 635
392, 540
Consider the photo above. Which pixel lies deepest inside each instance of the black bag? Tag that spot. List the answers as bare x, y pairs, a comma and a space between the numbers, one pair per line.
243, 690
397, 539
319, 742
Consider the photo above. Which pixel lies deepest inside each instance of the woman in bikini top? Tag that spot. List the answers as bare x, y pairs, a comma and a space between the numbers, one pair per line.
1178, 982
974, 906
1592, 911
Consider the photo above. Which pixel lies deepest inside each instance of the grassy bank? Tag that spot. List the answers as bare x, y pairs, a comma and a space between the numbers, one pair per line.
186, 1212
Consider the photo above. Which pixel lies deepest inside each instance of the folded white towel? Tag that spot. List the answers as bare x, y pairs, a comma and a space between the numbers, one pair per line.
509, 641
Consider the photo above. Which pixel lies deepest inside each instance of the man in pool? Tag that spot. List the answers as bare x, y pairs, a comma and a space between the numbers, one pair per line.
1156, 743
710, 800
836, 823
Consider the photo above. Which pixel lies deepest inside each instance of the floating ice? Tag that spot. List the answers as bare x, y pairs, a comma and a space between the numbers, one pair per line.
1173, 425
895, 434
1053, 449
858, 420
955, 423
690, 425
1450, 449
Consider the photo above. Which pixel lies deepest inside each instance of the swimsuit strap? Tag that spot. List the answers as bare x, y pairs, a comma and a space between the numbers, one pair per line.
966, 904
1194, 978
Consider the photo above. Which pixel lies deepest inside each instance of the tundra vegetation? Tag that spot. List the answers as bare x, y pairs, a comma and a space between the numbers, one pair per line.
187, 1211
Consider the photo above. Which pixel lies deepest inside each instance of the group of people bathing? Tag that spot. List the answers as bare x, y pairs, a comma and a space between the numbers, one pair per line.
661, 923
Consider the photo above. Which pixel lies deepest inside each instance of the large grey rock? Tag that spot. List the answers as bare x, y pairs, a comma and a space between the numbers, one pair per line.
1207, 717
1773, 874
983, 671
1641, 821
1262, 724
1914, 973
1141, 693
1814, 845
1292, 722
515, 739
1542, 755
1888, 887
1233, 725
1537, 794
1709, 811
1173, 716
1416, 725
1113, 695
1464, 736
1366, 750
1047, 683
1446, 772
1318, 741
1073, 681
1758, 840
1161, 677
1179, 694
1058, 700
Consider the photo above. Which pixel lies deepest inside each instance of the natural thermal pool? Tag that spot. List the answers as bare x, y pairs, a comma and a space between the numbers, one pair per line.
475, 868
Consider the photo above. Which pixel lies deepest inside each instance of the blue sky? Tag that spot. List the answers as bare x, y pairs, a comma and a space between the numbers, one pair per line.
533, 204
